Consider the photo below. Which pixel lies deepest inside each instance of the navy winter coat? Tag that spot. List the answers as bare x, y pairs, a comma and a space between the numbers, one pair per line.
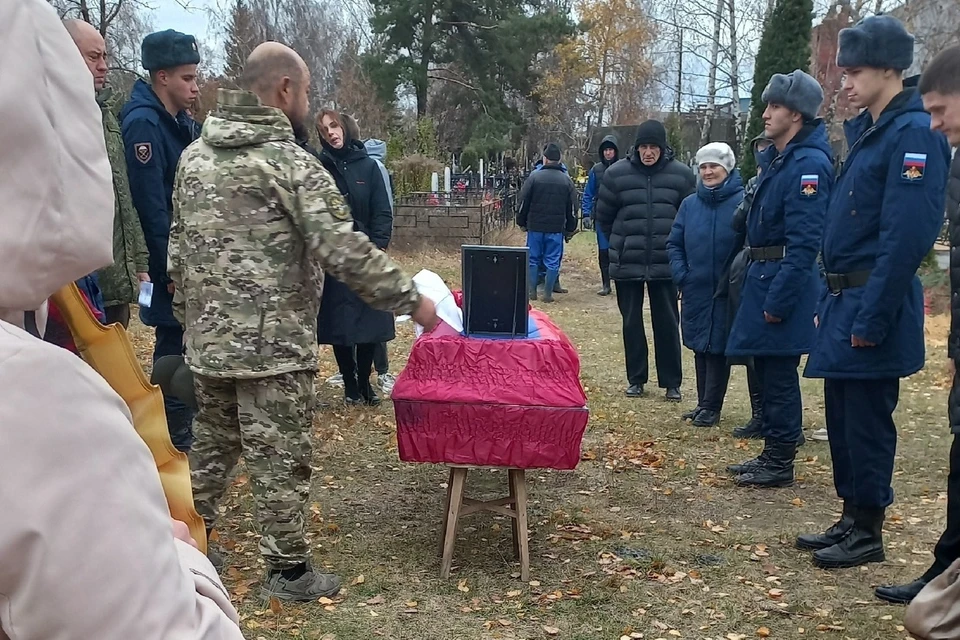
344, 318
699, 243
153, 140
885, 213
788, 209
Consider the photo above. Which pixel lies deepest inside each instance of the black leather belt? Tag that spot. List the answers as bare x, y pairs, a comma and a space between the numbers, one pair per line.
837, 282
762, 254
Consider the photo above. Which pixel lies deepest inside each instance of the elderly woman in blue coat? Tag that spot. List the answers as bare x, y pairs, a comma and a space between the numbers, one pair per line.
701, 240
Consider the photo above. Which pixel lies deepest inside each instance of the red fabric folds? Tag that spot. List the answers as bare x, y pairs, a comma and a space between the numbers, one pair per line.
509, 403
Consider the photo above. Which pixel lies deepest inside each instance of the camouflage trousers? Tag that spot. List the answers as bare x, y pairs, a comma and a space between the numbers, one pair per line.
268, 421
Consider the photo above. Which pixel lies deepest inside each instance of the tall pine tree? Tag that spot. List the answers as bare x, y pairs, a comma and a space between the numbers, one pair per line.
241, 38
785, 46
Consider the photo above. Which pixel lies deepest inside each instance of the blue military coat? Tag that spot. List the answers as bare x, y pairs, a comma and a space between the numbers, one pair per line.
699, 243
153, 141
885, 213
788, 210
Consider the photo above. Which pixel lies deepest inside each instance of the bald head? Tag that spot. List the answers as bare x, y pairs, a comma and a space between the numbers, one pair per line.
280, 78
92, 48
268, 65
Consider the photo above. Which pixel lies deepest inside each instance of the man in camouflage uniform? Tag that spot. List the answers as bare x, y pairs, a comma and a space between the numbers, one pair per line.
119, 282
256, 222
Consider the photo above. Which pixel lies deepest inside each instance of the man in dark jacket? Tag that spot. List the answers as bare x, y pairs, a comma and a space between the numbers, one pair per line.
774, 324
940, 88
548, 200
609, 153
156, 129
885, 213
639, 199
120, 281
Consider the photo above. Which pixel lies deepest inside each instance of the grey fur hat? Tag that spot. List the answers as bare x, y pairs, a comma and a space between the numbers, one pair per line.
797, 90
880, 42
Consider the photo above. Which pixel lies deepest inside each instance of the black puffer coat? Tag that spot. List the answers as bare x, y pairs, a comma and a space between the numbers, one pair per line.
547, 201
953, 347
636, 209
344, 318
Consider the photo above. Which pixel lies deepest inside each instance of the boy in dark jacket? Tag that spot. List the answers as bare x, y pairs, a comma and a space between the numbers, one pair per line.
609, 153
638, 202
885, 213
154, 138
547, 203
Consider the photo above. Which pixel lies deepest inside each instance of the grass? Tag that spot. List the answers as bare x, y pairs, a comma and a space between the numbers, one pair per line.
647, 538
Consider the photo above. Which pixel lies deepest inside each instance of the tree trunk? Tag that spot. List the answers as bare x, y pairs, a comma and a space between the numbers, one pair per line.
735, 74
602, 93
712, 78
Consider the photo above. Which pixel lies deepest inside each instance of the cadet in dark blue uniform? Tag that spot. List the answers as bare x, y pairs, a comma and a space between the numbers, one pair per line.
885, 212
774, 323
156, 130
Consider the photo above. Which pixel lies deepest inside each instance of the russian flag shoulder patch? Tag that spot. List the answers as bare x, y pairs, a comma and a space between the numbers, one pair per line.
809, 185
914, 166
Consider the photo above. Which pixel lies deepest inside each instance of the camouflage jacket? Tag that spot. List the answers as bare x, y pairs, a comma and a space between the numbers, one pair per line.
119, 281
256, 222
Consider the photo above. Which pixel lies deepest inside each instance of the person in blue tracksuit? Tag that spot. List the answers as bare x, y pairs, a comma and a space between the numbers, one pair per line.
700, 241
548, 200
156, 129
609, 153
885, 212
774, 323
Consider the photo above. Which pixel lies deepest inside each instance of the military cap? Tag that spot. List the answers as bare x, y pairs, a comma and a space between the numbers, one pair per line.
168, 49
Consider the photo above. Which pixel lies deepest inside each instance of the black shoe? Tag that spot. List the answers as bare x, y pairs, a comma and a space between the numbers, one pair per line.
605, 290
837, 532
368, 396
901, 594
351, 391
548, 296
690, 415
775, 471
533, 293
635, 391
752, 430
707, 418
558, 288
862, 544
673, 395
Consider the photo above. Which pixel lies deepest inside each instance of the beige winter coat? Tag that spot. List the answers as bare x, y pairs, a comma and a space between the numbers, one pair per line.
86, 546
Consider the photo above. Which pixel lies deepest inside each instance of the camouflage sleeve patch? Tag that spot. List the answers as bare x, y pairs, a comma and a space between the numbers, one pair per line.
321, 214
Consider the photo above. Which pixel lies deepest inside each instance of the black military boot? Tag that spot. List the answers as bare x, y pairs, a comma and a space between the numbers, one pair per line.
862, 544
753, 463
903, 593
775, 471
837, 532
754, 428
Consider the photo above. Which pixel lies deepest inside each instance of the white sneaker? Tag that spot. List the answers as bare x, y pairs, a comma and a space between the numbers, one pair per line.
335, 380
386, 382
820, 435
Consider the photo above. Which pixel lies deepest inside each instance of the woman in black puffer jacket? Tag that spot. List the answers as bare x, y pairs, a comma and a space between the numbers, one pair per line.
345, 321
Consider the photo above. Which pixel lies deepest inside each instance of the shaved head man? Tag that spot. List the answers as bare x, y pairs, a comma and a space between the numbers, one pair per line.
92, 48
254, 216
280, 78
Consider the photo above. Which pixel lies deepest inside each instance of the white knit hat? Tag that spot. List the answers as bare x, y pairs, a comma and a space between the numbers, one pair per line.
717, 153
